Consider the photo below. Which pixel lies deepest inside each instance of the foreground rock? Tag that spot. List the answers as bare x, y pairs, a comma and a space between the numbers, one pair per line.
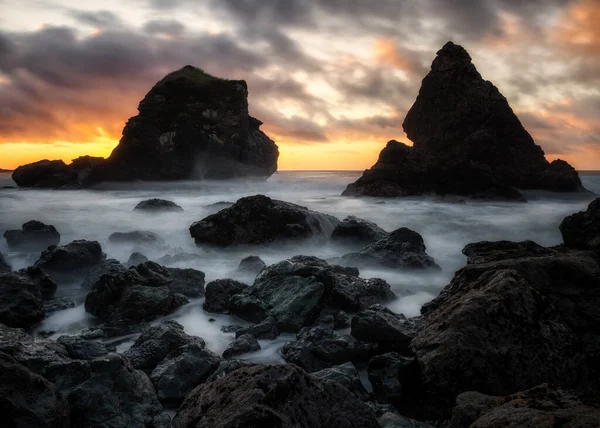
467, 141
354, 231
259, 219
542, 406
347, 376
401, 249
157, 205
395, 380
241, 345
219, 292
22, 295
252, 397
141, 293
72, 260
34, 236
190, 125
582, 230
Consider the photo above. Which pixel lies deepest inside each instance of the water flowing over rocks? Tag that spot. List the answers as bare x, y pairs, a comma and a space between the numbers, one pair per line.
467, 141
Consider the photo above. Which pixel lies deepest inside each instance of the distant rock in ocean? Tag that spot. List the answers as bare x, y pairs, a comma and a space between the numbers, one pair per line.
190, 125
467, 141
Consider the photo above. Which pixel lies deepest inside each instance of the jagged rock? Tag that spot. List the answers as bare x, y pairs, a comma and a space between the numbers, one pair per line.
467, 141
181, 371
542, 406
106, 267
401, 249
5, 267
136, 237
156, 342
251, 265
34, 236
321, 347
252, 397
81, 349
136, 258
582, 230
267, 329
226, 367
77, 258
22, 295
355, 231
395, 379
241, 345
261, 220
347, 376
218, 293
189, 282
29, 400
157, 205
106, 392
392, 332
141, 293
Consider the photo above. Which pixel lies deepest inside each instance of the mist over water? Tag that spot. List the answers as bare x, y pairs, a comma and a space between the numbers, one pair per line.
446, 227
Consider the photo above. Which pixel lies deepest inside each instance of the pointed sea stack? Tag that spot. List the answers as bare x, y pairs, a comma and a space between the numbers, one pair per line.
191, 125
467, 141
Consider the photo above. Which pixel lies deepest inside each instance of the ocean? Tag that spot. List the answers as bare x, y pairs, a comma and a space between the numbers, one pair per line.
446, 227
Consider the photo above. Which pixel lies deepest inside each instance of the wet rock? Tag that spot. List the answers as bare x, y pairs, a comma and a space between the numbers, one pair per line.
248, 308
141, 293
401, 249
582, 230
241, 345
230, 328
487, 251
157, 205
58, 304
466, 141
81, 349
5, 267
347, 376
321, 347
172, 259
261, 220
181, 371
252, 397
158, 341
136, 258
393, 420
218, 293
136, 237
22, 295
226, 367
29, 400
34, 236
395, 380
251, 265
77, 258
45, 174
106, 267
390, 331
543, 406
354, 231
266, 329
189, 282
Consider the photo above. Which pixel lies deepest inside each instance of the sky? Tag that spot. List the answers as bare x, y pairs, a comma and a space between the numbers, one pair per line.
331, 79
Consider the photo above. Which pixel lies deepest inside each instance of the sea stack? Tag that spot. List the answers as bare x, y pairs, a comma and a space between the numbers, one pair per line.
466, 141
191, 125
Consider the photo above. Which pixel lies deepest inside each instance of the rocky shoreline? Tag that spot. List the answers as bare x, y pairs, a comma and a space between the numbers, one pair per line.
512, 340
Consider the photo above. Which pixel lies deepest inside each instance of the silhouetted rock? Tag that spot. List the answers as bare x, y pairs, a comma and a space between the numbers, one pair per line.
34, 236
582, 230
218, 293
357, 232
77, 258
241, 345
5, 267
401, 249
261, 220
347, 376
253, 397
467, 141
157, 205
45, 173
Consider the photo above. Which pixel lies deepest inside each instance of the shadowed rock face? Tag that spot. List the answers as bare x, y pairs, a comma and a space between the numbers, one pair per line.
190, 125
467, 141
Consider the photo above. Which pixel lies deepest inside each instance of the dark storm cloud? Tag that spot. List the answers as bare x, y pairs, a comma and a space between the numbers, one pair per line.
168, 27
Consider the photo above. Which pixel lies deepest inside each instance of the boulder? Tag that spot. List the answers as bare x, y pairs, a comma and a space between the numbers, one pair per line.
181, 371
253, 397
354, 231
157, 205
321, 347
189, 282
582, 230
266, 329
251, 265
466, 141
241, 345
542, 406
106, 267
218, 293
395, 380
347, 376
401, 249
29, 400
81, 349
45, 174
259, 219
34, 236
491, 251
75, 259
141, 293
139, 237
158, 341
5, 267
135, 259
226, 367
22, 295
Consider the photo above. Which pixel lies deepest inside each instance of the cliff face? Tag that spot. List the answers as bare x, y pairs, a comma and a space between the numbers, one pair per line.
190, 126
467, 141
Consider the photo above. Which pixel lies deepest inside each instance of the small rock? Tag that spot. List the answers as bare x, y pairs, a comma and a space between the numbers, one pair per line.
218, 293
81, 349
136, 258
267, 329
241, 345
347, 376
35, 236
157, 205
355, 231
